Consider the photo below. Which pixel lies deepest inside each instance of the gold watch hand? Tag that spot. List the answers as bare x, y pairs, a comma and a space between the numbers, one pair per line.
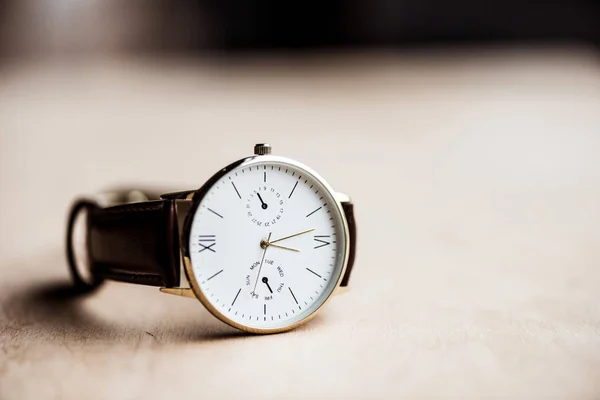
291, 236
283, 247
261, 264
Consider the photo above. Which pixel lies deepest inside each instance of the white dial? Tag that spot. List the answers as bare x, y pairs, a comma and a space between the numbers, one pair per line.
266, 244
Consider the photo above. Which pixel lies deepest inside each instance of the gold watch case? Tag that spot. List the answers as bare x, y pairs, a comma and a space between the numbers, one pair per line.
197, 196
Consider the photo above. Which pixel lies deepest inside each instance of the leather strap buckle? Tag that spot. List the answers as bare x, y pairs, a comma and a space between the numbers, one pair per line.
83, 280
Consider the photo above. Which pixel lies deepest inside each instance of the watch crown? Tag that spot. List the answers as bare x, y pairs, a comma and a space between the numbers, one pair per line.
261, 149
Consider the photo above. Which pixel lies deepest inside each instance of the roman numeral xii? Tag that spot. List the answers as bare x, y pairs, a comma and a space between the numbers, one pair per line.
207, 242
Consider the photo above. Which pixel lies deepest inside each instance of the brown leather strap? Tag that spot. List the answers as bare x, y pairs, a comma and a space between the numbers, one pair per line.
349, 211
139, 243
136, 243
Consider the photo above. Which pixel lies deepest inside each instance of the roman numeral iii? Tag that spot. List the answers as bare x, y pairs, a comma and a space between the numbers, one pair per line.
204, 240
321, 240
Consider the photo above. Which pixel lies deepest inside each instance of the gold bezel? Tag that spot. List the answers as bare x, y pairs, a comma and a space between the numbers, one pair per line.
197, 198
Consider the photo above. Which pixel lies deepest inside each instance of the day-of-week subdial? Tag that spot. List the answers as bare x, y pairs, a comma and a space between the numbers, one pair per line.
269, 284
264, 206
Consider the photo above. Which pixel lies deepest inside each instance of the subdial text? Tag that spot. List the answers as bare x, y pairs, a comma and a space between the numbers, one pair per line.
264, 206
271, 281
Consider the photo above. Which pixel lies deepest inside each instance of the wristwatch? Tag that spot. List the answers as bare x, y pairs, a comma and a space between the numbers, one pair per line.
263, 244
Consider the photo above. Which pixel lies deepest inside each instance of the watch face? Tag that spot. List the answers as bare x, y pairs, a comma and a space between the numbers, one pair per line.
266, 245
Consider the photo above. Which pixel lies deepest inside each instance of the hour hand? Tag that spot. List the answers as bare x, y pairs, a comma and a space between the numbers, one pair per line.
263, 205
283, 247
266, 282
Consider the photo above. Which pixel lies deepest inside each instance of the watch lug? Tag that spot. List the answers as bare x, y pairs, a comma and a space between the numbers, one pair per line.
182, 207
342, 197
184, 292
341, 290
184, 195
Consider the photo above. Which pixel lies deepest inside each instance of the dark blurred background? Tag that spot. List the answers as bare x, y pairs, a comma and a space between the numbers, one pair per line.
64, 26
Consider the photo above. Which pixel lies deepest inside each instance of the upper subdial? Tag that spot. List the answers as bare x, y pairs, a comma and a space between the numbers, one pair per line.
265, 206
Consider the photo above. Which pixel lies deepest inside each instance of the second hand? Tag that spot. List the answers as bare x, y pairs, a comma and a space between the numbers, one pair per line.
261, 264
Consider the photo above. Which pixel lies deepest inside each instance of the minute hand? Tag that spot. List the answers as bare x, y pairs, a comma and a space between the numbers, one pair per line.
291, 236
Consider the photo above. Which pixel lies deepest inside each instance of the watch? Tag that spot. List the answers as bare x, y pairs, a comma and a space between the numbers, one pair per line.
263, 244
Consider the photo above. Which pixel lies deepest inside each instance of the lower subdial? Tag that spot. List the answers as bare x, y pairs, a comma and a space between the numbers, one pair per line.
269, 284
264, 206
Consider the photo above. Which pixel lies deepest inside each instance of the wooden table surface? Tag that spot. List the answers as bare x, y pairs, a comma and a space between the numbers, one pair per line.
476, 179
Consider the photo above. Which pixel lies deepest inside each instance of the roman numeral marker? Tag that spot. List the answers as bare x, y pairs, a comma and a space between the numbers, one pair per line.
321, 241
207, 239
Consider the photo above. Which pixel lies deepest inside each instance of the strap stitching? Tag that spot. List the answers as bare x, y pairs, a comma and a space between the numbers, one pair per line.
135, 276
107, 214
130, 208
